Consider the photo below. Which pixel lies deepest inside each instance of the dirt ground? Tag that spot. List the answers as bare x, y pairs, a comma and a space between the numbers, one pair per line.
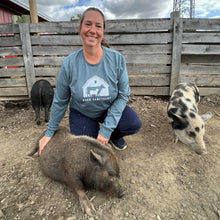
164, 180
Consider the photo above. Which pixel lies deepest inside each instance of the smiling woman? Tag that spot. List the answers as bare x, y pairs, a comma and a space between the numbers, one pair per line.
92, 30
94, 80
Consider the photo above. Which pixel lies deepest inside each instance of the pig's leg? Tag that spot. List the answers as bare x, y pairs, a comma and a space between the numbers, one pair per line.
176, 139
78, 188
37, 113
85, 204
47, 113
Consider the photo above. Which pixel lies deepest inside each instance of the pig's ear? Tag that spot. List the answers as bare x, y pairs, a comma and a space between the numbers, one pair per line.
175, 117
97, 158
205, 117
179, 122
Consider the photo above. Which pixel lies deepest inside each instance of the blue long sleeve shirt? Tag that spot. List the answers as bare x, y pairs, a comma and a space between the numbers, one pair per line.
91, 89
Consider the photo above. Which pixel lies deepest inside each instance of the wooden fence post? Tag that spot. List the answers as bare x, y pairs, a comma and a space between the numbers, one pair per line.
177, 48
33, 11
27, 55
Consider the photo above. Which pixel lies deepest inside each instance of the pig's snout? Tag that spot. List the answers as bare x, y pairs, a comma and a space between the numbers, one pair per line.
204, 153
201, 152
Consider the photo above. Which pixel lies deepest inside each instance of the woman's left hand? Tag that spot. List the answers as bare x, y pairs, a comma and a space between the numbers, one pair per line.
102, 139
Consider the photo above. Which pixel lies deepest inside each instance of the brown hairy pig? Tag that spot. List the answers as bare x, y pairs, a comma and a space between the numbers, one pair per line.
81, 162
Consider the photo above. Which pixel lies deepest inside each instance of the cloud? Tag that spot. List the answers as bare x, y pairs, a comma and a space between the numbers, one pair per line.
207, 8
122, 9
136, 9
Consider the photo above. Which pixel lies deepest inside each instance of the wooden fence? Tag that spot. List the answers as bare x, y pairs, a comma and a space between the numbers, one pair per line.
159, 53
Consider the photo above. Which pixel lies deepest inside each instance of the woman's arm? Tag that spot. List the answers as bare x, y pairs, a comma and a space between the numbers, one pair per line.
115, 110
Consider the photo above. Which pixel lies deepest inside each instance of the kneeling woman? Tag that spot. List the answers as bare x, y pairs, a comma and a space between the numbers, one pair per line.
94, 81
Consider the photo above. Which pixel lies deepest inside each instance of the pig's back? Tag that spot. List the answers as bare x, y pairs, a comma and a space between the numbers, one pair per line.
66, 151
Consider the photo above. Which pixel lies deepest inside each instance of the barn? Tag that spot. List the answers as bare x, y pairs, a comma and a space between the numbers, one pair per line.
15, 7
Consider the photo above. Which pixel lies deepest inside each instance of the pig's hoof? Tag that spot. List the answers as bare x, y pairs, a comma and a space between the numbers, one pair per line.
87, 206
122, 192
38, 122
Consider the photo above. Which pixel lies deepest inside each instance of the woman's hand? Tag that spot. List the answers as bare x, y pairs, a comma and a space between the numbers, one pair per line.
43, 142
102, 139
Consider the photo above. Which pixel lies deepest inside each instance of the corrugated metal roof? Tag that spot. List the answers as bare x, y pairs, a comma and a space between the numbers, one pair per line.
22, 4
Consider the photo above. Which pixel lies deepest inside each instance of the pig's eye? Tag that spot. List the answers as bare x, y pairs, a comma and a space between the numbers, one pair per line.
191, 134
111, 173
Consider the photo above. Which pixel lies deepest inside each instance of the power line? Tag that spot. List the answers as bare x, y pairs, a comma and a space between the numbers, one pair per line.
185, 7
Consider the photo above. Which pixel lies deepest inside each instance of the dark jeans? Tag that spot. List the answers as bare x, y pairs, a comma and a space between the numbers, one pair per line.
83, 125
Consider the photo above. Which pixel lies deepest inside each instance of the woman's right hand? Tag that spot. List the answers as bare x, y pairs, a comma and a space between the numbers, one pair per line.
43, 142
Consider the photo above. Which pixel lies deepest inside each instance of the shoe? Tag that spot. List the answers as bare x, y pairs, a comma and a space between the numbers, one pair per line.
119, 144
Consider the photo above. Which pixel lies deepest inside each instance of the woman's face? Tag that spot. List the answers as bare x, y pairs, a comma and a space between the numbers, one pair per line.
92, 29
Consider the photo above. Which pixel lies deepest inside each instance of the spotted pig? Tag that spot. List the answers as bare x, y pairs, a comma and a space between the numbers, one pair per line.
188, 125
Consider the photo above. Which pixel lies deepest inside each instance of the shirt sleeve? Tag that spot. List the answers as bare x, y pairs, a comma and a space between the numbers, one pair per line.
115, 110
60, 102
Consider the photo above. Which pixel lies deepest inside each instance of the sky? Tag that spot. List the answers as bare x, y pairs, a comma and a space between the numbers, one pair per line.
63, 10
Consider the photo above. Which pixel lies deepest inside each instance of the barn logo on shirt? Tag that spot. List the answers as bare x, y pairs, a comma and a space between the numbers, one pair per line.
95, 89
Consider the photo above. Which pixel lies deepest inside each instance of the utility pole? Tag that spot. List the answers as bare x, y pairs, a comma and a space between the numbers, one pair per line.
185, 7
33, 11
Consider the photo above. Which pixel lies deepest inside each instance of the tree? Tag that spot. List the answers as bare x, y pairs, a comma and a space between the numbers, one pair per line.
77, 18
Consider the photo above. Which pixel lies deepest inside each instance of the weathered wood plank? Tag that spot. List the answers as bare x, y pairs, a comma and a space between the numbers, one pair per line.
54, 50
144, 49
204, 91
27, 55
5, 51
14, 98
66, 50
130, 58
201, 24
12, 72
143, 69
176, 53
207, 80
52, 80
57, 40
9, 29
148, 59
15, 61
137, 25
206, 60
148, 80
10, 41
55, 27
163, 91
47, 71
200, 49
48, 61
199, 70
133, 69
12, 82
15, 92
201, 38
151, 38
112, 26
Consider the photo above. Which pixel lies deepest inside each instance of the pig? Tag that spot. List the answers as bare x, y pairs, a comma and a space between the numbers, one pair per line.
188, 125
81, 162
41, 96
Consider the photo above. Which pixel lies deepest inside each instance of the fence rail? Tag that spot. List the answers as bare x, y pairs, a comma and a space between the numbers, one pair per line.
159, 53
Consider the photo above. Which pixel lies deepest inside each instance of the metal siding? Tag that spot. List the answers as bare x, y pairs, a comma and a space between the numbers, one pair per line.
5, 15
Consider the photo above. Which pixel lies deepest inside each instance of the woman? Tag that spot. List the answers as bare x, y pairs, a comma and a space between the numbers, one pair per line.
94, 81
